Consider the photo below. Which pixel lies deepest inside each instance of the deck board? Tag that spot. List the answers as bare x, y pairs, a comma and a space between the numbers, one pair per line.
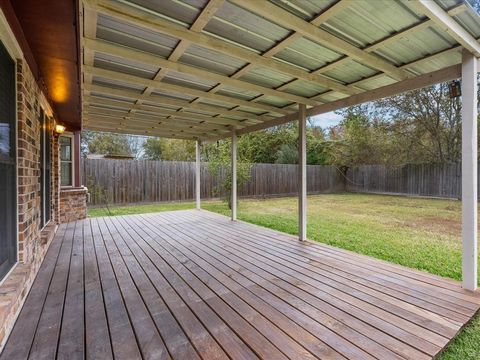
194, 285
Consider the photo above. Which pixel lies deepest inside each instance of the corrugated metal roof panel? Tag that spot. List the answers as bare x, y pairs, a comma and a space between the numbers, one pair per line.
350, 72
178, 10
366, 22
416, 46
234, 23
308, 54
117, 31
273, 101
172, 95
188, 81
237, 93
100, 96
304, 88
127, 66
220, 104
116, 84
305, 9
211, 60
266, 77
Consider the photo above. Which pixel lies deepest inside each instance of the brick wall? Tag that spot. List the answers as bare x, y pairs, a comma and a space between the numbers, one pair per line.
32, 242
73, 204
28, 162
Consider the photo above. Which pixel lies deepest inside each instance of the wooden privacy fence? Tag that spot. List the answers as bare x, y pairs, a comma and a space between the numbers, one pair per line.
435, 180
135, 181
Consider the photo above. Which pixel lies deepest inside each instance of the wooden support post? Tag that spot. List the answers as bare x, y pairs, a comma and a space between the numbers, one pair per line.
302, 172
469, 170
234, 175
197, 173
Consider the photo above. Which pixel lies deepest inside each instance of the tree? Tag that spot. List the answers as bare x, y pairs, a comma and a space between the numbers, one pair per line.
287, 154
169, 149
152, 149
428, 122
218, 158
107, 143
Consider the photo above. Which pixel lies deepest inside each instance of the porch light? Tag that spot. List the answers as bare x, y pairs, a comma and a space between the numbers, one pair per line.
455, 89
59, 129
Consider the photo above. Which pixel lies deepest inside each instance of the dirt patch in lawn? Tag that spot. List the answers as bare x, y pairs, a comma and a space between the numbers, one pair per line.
437, 224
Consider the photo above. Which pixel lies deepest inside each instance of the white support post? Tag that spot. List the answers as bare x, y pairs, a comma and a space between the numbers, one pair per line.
469, 170
197, 174
234, 175
302, 173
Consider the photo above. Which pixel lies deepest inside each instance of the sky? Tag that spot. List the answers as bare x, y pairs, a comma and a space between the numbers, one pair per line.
326, 120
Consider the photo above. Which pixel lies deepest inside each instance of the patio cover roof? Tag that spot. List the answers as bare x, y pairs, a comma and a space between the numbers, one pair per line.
198, 69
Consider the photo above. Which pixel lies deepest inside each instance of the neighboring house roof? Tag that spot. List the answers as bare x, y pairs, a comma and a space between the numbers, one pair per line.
109, 156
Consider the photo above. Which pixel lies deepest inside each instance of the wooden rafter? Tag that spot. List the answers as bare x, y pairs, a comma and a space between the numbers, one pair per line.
155, 98
384, 42
153, 23
290, 21
446, 74
197, 119
324, 16
123, 129
166, 124
200, 22
155, 110
442, 19
136, 80
149, 59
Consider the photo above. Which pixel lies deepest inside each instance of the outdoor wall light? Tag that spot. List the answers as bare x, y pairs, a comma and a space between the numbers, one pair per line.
59, 129
455, 89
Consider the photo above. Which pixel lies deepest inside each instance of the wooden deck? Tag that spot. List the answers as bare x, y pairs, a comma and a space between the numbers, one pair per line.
192, 284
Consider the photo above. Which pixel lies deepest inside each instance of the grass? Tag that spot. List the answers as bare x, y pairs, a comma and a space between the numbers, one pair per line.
418, 233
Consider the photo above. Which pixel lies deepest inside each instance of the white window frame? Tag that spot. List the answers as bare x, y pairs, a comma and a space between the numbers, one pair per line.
72, 142
13, 47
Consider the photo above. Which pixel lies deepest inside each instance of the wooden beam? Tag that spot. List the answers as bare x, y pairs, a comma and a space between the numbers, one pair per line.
290, 21
93, 102
108, 125
129, 118
90, 18
233, 155
197, 173
99, 120
154, 23
384, 42
324, 16
469, 171
302, 172
200, 22
136, 80
156, 98
141, 132
150, 59
435, 77
448, 24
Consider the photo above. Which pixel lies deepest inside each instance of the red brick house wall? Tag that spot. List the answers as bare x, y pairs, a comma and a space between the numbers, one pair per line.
32, 241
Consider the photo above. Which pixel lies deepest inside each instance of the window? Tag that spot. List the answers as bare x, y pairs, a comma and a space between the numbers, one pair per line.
45, 166
66, 161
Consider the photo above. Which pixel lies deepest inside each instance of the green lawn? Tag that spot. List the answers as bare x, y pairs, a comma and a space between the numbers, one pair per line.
418, 233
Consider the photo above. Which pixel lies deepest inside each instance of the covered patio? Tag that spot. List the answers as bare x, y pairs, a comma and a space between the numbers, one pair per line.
193, 284
212, 70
